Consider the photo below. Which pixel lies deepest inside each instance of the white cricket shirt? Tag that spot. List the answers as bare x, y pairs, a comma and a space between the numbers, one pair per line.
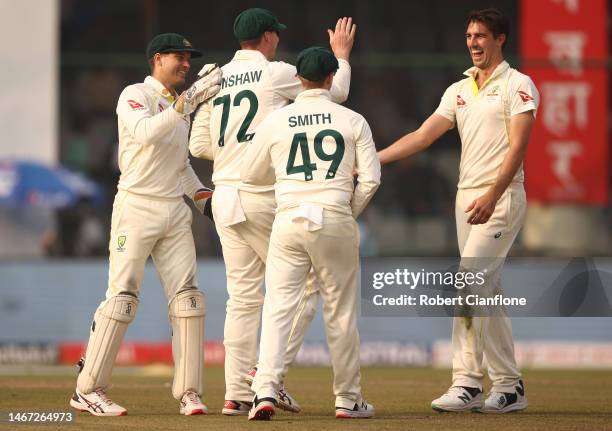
252, 88
310, 148
153, 143
483, 119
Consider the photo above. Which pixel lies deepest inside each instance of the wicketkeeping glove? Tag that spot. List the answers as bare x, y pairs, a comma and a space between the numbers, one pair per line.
208, 84
202, 200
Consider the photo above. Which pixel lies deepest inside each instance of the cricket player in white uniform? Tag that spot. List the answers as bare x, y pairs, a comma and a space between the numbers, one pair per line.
311, 149
253, 87
494, 108
150, 218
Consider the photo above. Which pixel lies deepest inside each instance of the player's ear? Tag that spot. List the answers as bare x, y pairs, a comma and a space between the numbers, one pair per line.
267, 35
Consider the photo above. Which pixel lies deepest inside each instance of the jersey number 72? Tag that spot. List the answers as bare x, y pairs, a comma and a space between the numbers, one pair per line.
242, 135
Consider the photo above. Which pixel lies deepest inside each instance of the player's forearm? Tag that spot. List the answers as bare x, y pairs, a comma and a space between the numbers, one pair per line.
341, 84
190, 181
200, 144
149, 130
508, 169
256, 168
368, 177
404, 147
520, 130
364, 191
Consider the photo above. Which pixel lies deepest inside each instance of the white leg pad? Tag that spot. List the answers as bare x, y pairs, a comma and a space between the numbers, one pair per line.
107, 330
187, 311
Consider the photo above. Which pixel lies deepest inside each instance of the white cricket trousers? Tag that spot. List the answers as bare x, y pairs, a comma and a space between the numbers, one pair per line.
160, 228
245, 250
482, 247
143, 226
333, 253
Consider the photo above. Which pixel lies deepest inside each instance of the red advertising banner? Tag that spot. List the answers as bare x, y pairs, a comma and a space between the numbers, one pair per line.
564, 47
141, 353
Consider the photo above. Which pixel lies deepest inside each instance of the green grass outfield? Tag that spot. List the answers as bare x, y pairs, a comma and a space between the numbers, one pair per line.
558, 400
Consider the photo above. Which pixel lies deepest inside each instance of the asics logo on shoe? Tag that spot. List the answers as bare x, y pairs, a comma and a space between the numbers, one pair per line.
520, 389
95, 406
282, 395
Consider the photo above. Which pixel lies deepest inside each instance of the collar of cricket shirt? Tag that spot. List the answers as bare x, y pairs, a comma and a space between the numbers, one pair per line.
249, 54
159, 87
471, 72
315, 93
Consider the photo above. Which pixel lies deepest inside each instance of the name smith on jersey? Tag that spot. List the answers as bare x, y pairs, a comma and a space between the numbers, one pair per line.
241, 78
309, 119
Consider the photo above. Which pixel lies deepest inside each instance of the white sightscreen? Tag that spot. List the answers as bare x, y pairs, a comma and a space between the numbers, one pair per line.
29, 79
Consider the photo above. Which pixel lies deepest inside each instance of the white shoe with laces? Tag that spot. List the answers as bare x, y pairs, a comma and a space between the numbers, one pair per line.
458, 399
96, 403
285, 401
504, 402
191, 404
361, 410
263, 409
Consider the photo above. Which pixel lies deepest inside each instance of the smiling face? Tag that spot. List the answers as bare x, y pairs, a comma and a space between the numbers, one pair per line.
485, 49
171, 68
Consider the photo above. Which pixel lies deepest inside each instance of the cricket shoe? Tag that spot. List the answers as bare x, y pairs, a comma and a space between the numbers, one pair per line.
236, 408
361, 410
96, 403
263, 409
504, 402
285, 401
191, 404
458, 399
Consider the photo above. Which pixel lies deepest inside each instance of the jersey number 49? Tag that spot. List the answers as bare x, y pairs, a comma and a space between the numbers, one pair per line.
301, 140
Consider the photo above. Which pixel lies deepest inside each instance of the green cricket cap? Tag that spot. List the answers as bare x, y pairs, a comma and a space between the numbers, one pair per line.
171, 42
316, 63
252, 23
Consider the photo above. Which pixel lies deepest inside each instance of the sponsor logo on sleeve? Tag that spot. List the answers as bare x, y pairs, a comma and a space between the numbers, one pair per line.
460, 101
524, 96
135, 105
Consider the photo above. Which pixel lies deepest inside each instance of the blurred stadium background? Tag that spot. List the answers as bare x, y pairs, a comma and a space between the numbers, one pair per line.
63, 72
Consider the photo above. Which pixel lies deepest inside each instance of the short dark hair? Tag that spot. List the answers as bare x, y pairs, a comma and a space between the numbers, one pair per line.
493, 19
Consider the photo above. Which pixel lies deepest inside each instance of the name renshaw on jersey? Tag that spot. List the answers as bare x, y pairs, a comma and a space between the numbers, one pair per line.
241, 79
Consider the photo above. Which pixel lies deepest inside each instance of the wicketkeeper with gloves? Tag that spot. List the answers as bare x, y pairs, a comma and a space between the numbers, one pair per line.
150, 217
